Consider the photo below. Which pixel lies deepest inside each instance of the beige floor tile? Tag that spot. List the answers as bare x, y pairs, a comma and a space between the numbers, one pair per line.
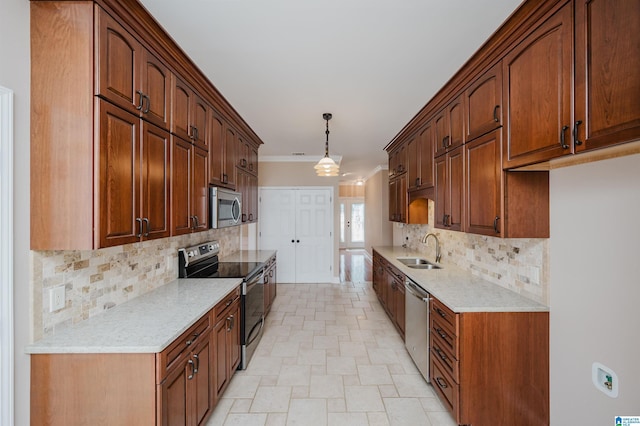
442, 418
246, 420
307, 412
363, 399
220, 412
374, 375
405, 412
378, 419
242, 386
276, 419
348, 419
325, 342
388, 391
312, 357
353, 349
286, 349
294, 375
383, 356
432, 405
336, 405
326, 387
241, 405
412, 385
300, 392
271, 399
342, 365
263, 365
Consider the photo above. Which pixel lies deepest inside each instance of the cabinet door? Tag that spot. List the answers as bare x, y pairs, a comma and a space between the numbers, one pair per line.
399, 299
441, 126
221, 358
253, 160
484, 103
174, 405
455, 110
242, 153
200, 123
155, 173
202, 385
484, 185
181, 160
242, 187
537, 88
440, 208
216, 149
253, 198
119, 186
234, 341
426, 157
607, 74
118, 63
413, 163
200, 189
181, 102
156, 86
229, 171
455, 189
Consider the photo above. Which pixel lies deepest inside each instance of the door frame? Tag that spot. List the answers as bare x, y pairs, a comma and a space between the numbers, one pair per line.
335, 276
348, 243
6, 257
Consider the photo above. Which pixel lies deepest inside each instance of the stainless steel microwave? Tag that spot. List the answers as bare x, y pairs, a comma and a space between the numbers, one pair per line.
225, 207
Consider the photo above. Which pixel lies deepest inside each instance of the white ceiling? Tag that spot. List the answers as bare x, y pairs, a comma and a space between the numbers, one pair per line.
371, 63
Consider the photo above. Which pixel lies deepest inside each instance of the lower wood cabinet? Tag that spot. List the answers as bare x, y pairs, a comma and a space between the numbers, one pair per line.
388, 284
178, 386
489, 367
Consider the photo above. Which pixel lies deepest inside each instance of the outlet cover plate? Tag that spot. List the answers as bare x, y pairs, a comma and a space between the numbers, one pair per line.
56, 298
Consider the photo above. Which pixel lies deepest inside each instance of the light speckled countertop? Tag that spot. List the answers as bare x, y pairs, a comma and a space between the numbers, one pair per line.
459, 289
146, 324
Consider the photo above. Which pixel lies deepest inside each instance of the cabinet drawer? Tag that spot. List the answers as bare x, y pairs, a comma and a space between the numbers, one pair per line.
443, 336
446, 388
439, 310
446, 358
179, 347
225, 303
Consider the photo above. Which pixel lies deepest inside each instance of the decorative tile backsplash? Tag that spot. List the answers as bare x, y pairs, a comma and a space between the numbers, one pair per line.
96, 280
518, 264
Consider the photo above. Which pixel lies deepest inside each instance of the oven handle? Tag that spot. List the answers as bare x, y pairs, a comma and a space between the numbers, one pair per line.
418, 293
261, 324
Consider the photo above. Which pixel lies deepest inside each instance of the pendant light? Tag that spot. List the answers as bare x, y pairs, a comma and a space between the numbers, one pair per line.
326, 166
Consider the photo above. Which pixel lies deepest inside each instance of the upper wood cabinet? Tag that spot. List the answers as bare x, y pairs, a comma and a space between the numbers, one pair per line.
483, 103
537, 77
246, 155
607, 76
230, 142
397, 161
189, 188
190, 114
449, 190
129, 75
449, 127
420, 159
398, 199
134, 178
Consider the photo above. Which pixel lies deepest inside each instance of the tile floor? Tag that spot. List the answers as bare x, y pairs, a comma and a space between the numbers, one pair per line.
329, 356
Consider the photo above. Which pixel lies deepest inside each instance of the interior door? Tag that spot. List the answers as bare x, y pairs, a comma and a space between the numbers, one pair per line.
298, 224
351, 223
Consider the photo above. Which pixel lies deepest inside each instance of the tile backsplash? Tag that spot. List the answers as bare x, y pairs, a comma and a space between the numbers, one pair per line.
518, 264
96, 280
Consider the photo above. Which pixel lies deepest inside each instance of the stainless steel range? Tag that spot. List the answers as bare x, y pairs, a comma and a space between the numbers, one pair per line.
202, 261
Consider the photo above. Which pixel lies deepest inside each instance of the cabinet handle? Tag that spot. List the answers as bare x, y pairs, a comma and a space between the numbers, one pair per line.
271, 273
440, 354
562, 142
148, 107
243, 162
417, 181
244, 217
576, 141
197, 221
251, 166
250, 217
193, 339
190, 376
444, 141
146, 221
197, 363
441, 383
442, 334
139, 234
441, 312
495, 114
225, 179
141, 100
495, 224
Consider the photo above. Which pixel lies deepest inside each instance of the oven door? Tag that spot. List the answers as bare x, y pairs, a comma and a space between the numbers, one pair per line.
252, 323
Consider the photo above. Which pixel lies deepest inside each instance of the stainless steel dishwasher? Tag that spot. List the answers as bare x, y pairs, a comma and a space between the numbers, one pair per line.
417, 325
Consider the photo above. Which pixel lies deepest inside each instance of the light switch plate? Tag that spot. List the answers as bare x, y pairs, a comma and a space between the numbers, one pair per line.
56, 298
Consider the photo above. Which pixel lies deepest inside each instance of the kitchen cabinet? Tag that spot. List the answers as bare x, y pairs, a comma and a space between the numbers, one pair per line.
134, 172
449, 127
248, 186
420, 159
227, 340
449, 190
246, 156
398, 199
189, 188
489, 365
537, 78
270, 283
393, 295
483, 103
397, 162
190, 114
130, 76
499, 203
378, 276
607, 73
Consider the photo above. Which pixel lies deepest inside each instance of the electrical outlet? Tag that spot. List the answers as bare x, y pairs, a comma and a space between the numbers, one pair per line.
56, 298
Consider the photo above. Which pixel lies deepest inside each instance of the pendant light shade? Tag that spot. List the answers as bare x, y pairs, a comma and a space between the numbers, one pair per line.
326, 166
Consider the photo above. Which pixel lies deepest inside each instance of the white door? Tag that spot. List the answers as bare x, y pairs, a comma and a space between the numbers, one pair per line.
298, 223
351, 223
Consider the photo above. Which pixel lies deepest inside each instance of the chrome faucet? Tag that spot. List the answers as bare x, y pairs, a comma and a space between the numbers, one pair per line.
435, 237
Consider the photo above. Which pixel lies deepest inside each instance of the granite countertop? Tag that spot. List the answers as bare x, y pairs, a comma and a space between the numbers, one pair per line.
249, 256
459, 289
146, 324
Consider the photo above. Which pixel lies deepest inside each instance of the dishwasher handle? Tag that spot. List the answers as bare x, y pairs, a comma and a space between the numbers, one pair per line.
416, 291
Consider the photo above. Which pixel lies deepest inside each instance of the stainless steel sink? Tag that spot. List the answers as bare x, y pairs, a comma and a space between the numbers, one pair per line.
418, 263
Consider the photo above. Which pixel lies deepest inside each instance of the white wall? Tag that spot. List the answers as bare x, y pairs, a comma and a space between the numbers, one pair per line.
14, 74
595, 289
378, 229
